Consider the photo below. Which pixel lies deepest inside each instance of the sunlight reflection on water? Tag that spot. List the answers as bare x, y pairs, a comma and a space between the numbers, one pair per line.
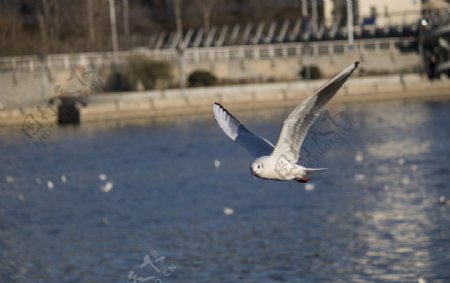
184, 189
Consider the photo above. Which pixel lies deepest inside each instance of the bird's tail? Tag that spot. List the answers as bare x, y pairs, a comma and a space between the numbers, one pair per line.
309, 171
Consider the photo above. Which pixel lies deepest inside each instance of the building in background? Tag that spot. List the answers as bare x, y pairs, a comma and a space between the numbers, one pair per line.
379, 13
390, 13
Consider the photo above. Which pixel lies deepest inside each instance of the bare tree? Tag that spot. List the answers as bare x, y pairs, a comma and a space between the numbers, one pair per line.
115, 43
314, 16
43, 27
10, 25
206, 6
91, 27
304, 8
180, 46
126, 19
178, 19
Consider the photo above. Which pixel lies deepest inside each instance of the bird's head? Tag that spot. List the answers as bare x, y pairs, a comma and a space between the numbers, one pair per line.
257, 167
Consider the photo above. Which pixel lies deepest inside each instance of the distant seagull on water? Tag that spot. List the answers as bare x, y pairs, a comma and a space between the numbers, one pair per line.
280, 162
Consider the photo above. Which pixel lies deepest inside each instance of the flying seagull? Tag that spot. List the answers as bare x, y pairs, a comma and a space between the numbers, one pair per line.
279, 162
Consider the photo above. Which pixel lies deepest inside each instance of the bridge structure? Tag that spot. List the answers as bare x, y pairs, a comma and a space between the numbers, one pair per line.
434, 43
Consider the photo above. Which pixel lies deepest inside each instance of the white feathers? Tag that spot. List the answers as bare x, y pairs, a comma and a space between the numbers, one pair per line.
231, 126
297, 124
281, 163
107, 187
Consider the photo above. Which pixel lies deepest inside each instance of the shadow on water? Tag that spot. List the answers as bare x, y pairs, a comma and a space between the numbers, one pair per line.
132, 190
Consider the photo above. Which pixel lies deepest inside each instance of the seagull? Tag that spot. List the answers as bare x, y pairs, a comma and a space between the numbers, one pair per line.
280, 162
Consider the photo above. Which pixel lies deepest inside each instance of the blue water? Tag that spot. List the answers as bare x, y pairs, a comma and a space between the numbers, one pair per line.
373, 216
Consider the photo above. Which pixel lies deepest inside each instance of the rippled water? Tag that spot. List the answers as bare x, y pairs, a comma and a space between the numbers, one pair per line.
374, 216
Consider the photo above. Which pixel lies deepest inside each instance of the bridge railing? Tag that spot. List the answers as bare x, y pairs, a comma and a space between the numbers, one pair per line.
206, 54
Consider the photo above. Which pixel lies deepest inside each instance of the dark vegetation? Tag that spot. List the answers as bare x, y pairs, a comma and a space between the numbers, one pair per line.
64, 26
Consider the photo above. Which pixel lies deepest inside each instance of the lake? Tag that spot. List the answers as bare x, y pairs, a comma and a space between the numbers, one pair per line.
174, 201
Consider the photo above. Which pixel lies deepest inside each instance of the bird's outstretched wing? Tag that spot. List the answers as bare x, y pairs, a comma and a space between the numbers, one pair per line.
231, 126
298, 122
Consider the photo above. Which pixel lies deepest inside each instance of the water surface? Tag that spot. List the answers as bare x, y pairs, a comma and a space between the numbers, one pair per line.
374, 216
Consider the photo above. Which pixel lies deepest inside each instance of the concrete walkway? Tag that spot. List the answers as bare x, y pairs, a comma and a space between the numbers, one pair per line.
154, 104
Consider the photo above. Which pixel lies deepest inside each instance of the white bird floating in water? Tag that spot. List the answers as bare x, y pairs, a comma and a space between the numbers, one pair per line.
280, 162
21, 197
50, 185
359, 177
444, 201
310, 187
105, 221
107, 187
102, 177
228, 211
359, 157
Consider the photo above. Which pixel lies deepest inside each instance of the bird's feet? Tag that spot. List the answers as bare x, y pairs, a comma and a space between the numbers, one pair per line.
303, 180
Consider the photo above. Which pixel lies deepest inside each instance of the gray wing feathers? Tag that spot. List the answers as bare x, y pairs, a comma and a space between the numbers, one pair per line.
297, 124
231, 126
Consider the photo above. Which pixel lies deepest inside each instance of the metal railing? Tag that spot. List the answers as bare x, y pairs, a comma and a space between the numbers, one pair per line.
207, 54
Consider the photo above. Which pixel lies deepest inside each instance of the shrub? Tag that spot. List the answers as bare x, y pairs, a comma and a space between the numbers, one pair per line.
314, 72
149, 72
201, 78
118, 81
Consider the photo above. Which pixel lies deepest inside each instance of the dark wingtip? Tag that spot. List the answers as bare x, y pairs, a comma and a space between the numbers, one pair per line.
225, 110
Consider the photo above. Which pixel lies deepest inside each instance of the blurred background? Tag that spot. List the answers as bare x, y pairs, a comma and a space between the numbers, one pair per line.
114, 170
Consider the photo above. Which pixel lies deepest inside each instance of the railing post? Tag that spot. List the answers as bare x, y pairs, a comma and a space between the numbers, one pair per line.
31, 65
315, 49
256, 52
226, 54
13, 65
241, 53
66, 62
284, 51
271, 52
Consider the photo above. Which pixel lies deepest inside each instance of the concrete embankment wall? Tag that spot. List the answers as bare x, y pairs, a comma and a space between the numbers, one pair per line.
166, 103
21, 88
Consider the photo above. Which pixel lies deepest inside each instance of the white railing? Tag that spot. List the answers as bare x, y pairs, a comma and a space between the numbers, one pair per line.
207, 54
